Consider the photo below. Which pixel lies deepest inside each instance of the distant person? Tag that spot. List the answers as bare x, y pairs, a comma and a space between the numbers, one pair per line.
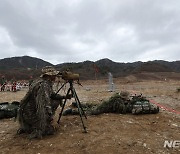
38, 106
3, 87
3, 83
14, 85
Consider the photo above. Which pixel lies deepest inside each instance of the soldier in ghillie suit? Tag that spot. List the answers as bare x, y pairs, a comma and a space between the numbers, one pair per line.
116, 104
38, 106
119, 103
2, 83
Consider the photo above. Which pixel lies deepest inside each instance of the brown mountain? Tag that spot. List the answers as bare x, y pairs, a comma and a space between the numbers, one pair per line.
21, 67
24, 67
24, 62
87, 69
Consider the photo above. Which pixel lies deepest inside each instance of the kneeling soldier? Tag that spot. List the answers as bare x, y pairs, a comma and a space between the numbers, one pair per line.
37, 107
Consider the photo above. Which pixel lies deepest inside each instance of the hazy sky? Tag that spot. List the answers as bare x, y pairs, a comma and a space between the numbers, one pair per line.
77, 30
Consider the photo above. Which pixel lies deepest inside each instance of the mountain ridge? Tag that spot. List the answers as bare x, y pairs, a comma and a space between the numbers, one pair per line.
26, 66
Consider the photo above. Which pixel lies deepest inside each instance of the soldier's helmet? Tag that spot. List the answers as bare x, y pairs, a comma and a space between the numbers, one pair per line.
49, 70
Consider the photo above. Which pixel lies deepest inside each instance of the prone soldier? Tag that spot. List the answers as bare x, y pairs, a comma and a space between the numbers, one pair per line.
118, 103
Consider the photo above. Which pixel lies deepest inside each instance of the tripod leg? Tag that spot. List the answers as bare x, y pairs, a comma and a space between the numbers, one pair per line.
78, 101
79, 110
60, 88
60, 114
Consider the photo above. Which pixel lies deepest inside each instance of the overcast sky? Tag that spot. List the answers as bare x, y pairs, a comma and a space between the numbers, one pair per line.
77, 30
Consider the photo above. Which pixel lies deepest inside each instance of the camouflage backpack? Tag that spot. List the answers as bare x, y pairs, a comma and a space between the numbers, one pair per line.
140, 105
144, 107
9, 110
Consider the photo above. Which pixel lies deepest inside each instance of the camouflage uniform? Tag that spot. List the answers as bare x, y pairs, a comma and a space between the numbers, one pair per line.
73, 109
37, 109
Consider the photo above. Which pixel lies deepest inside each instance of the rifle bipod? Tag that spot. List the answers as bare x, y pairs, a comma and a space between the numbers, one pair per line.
79, 106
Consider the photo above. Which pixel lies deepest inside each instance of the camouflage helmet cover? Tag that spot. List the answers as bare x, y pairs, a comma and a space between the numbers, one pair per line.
49, 70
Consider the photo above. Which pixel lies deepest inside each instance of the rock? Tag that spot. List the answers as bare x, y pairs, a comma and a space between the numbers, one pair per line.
88, 89
144, 144
130, 122
175, 125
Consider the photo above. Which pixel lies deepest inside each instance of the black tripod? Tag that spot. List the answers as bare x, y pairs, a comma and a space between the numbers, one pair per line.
79, 106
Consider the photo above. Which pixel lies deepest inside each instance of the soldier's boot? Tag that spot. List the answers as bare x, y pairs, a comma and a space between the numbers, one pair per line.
67, 112
95, 112
35, 134
50, 130
20, 131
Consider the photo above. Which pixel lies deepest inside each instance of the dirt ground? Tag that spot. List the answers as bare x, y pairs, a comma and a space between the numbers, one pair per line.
107, 133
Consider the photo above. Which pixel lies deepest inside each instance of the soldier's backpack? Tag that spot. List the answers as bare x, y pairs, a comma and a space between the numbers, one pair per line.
140, 105
9, 110
144, 108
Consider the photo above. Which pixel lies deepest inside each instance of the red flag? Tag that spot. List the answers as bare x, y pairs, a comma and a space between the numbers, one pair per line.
96, 68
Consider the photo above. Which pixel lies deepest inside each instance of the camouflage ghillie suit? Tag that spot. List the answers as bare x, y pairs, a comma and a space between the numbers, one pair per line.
119, 103
37, 109
73, 109
116, 104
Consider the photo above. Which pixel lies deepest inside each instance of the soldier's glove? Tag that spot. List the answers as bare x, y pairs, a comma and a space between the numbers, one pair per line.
56, 96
